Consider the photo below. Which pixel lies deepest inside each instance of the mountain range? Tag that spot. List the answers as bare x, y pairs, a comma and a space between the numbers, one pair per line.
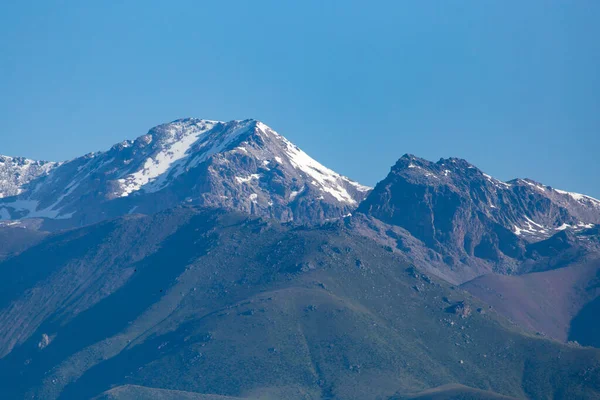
217, 260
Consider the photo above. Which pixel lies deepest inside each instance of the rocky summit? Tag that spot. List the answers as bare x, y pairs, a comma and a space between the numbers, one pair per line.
470, 223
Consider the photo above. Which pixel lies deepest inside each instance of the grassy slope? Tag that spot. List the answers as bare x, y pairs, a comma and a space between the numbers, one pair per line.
16, 240
240, 307
544, 302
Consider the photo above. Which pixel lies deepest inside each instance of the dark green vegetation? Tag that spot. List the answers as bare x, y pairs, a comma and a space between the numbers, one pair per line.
585, 327
209, 302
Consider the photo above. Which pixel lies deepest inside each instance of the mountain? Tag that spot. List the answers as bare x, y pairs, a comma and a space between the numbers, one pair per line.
462, 223
240, 165
167, 267
17, 172
529, 250
200, 303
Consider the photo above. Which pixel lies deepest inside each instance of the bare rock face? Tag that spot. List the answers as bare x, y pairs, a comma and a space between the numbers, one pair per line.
461, 309
239, 165
44, 342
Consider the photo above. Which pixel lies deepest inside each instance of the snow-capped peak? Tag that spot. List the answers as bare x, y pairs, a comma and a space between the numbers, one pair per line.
243, 165
184, 144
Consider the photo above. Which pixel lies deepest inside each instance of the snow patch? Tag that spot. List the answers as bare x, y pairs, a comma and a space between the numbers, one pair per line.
531, 227
295, 193
247, 179
327, 180
579, 197
359, 187
498, 183
30, 207
533, 185
265, 129
584, 225
179, 140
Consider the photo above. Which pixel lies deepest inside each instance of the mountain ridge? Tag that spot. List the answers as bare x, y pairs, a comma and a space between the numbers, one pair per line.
467, 223
170, 150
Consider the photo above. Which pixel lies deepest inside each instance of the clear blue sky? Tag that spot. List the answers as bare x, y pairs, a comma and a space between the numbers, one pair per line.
512, 86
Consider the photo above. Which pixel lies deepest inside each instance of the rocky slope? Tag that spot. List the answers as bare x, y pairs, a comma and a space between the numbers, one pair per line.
203, 303
466, 223
547, 302
241, 165
17, 172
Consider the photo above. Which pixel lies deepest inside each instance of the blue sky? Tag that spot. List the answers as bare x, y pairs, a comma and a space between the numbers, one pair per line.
512, 86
